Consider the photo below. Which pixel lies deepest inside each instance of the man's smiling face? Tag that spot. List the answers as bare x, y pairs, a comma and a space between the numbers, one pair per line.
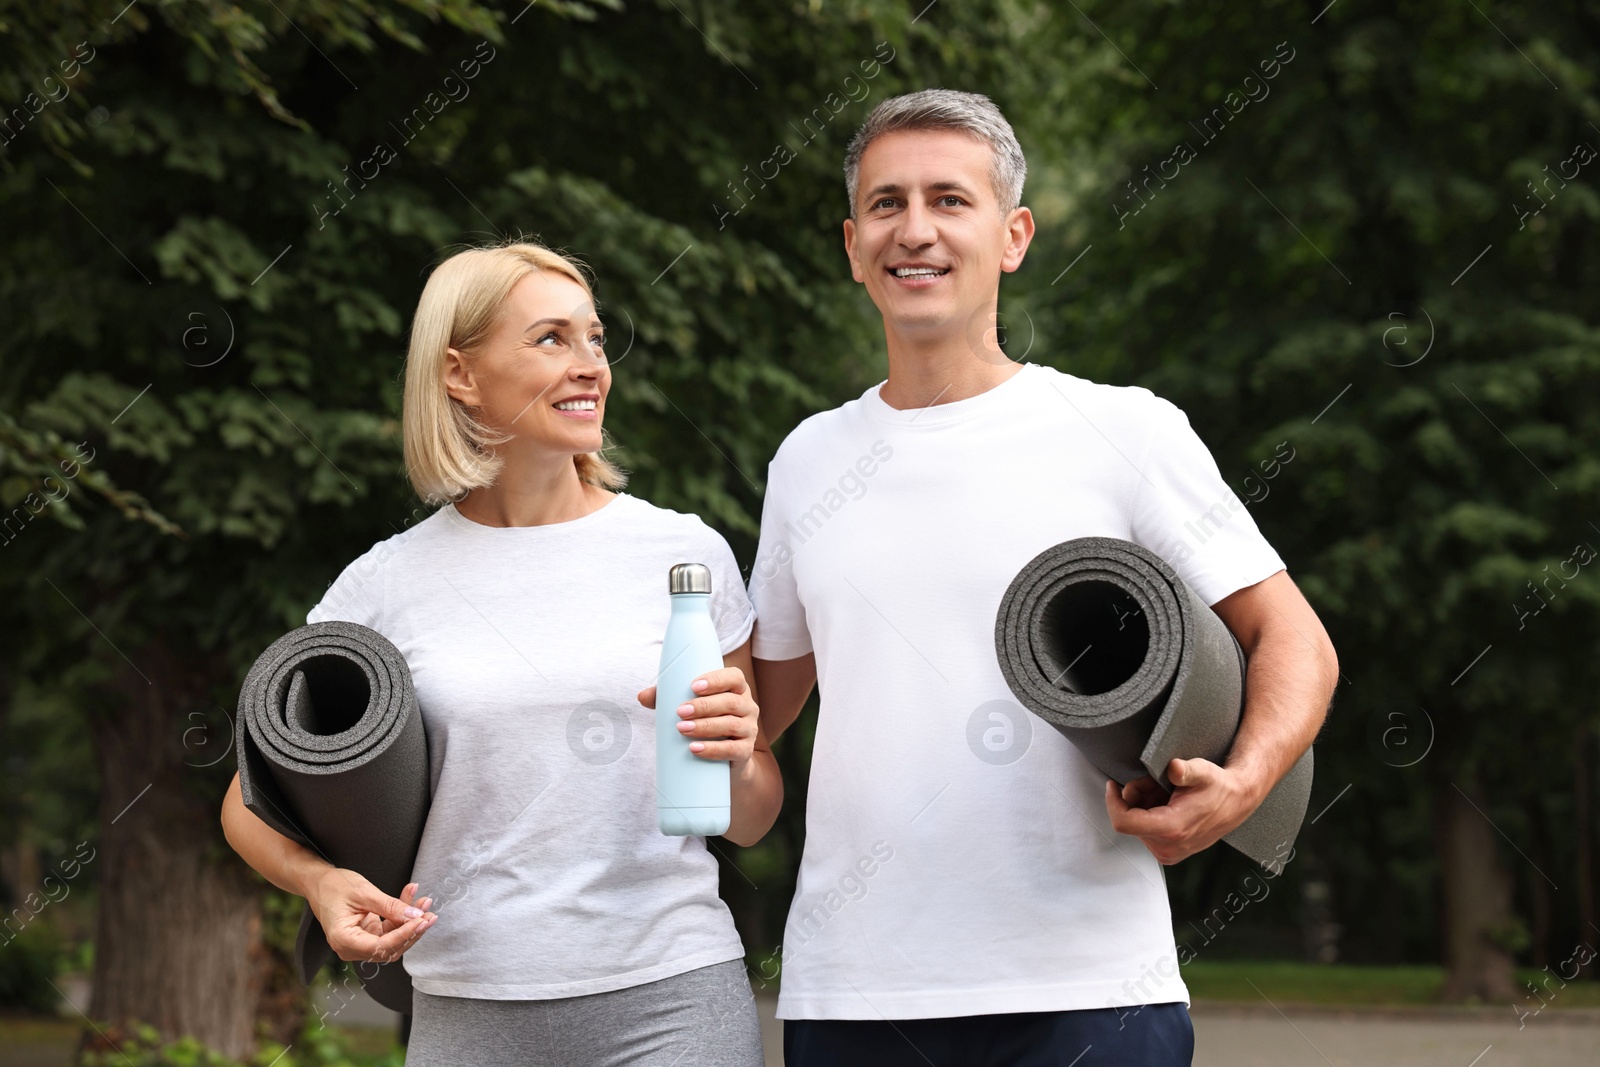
929, 240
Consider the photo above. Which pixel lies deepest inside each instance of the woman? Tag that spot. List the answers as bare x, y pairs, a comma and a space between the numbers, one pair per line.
530, 607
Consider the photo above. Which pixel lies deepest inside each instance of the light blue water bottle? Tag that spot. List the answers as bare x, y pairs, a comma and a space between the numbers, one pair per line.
692, 793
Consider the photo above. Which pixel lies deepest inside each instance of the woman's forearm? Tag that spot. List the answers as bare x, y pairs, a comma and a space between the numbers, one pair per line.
756, 797
284, 862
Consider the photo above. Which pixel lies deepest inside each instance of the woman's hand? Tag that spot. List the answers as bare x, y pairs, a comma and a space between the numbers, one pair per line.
721, 720
361, 921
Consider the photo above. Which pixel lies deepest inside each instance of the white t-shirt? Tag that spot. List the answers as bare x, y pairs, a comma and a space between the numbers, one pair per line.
528, 646
958, 856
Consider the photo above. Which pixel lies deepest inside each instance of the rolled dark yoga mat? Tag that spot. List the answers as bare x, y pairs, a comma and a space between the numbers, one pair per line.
332, 754
1101, 639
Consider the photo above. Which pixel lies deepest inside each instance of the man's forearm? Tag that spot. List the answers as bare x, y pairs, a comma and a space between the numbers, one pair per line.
757, 794
783, 687
1291, 679
1288, 685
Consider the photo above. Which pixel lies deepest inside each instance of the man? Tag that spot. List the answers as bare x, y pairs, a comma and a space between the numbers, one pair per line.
966, 893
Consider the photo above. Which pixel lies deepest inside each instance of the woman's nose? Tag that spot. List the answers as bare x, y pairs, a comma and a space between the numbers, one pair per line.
586, 361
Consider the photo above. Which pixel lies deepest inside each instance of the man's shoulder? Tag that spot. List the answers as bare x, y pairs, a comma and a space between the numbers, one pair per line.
1127, 408
818, 431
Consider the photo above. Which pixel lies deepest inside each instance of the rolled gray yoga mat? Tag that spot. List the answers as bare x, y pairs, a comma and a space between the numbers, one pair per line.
332, 754
1101, 639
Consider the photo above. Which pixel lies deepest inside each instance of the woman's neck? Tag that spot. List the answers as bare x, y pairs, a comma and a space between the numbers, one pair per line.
533, 494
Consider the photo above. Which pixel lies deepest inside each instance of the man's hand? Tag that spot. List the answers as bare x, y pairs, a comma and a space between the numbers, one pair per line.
1292, 674
1206, 803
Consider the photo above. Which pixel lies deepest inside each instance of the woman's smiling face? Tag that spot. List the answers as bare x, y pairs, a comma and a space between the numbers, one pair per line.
541, 374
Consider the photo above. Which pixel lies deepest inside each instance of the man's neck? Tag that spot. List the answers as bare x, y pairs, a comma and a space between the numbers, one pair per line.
942, 372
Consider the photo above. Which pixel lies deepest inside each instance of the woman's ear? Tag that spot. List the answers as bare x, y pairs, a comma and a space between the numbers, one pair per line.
458, 379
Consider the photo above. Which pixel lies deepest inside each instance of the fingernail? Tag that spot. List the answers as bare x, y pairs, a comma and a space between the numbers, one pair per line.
425, 903
686, 727
413, 913
685, 709
697, 746
699, 684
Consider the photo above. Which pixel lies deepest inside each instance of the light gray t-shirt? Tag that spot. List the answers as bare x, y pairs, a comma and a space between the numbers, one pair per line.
528, 646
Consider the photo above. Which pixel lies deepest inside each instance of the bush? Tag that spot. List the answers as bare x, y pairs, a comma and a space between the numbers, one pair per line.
317, 1045
28, 963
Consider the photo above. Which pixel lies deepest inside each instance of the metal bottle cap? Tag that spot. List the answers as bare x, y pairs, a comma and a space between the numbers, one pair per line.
689, 578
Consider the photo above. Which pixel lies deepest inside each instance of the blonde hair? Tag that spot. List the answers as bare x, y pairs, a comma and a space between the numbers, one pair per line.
447, 448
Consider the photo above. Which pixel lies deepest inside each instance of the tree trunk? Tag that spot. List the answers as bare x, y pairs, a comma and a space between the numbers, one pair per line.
1540, 899
20, 871
1477, 897
178, 940
1583, 832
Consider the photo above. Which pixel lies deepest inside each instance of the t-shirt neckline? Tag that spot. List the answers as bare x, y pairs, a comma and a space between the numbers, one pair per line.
942, 414
542, 529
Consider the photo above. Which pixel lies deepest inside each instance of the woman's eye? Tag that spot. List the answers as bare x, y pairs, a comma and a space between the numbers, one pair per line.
598, 340
551, 336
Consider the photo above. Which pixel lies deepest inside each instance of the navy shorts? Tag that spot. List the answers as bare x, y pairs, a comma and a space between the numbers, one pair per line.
1154, 1035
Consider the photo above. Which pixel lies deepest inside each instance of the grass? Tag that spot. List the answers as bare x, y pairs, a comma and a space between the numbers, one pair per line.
1289, 982
369, 1041
23, 1036
1352, 984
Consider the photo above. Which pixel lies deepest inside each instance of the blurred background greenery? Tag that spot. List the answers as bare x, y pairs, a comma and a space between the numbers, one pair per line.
1376, 256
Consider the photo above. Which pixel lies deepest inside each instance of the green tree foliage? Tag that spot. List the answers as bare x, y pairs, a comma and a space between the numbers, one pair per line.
219, 217
1368, 232
215, 241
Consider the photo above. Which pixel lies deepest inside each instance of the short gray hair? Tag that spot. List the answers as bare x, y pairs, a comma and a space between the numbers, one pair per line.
944, 109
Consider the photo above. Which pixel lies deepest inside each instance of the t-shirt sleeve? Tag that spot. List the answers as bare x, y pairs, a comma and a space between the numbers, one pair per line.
781, 631
357, 594
731, 611
1185, 513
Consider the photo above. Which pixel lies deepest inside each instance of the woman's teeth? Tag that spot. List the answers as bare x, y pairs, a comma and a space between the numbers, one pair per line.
576, 405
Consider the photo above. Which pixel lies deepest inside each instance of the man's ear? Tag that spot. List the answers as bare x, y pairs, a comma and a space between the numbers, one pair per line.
1019, 232
850, 249
458, 380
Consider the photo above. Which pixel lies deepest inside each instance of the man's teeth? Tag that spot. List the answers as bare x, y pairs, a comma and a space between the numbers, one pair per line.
576, 405
918, 272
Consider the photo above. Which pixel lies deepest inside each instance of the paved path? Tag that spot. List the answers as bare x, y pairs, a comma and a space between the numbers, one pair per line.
1228, 1036
1238, 1036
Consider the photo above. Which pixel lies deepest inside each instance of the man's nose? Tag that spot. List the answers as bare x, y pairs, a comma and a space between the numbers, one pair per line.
916, 227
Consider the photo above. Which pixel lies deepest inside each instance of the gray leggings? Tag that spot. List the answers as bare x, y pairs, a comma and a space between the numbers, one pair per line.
701, 1018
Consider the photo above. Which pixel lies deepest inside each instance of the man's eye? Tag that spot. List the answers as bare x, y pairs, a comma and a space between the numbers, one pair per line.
885, 200
951, 201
